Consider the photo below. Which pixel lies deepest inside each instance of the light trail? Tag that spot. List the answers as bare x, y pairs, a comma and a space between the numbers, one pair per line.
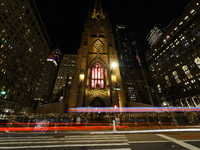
134, 109
55, 128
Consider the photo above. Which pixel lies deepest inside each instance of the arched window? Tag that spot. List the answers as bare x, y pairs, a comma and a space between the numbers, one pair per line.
97, 76
159, 88
187, 72
167, 80
94, 31
101, 32
176, 77
197, 61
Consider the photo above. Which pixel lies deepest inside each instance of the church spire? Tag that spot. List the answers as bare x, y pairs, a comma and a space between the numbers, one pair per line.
98, 11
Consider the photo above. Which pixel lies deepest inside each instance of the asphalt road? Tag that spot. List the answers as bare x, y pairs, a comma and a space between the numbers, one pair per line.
102, 141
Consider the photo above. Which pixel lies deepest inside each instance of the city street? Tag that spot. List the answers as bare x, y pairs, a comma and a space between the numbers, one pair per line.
102, 140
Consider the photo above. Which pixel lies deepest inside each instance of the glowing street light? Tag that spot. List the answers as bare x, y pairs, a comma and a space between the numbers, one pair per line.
114, 65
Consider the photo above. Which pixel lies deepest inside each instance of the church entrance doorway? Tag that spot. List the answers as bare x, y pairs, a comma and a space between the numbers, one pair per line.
97, 102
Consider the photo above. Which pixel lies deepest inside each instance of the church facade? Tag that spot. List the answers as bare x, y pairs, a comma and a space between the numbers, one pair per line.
97, 81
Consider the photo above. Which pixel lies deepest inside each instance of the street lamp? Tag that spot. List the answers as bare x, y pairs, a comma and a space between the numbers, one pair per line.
114, 86
81, 77
113, 74
79, 91
79, 84
114, 65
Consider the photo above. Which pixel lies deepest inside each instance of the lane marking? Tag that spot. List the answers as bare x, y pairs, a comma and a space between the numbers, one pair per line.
113, 149
179, 142
147, 141
97, 133
191, 140
114, 135
68, 145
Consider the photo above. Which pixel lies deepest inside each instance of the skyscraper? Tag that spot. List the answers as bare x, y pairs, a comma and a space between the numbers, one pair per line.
174, 60
127, 65
24, 49
65, 74
44, 88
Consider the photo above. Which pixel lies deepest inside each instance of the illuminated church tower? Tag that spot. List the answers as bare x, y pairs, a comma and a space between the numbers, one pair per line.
97, 81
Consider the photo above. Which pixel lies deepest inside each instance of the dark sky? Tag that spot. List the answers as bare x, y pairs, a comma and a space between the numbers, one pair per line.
64, 19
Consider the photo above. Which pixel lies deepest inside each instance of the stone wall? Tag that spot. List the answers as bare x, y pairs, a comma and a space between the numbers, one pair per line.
58, 107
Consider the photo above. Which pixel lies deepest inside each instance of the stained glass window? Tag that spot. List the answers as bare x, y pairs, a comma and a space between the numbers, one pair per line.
97, 76
92, 73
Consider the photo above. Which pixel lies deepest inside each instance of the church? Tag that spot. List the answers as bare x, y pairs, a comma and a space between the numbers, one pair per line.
97, 81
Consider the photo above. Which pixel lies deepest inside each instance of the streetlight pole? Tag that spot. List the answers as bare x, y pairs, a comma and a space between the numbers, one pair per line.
79, 91
113, 78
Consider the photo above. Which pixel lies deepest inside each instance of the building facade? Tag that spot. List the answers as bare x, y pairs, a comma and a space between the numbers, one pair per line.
64, 77
96, 82
24, 47
127, 66
44, 88
174, 60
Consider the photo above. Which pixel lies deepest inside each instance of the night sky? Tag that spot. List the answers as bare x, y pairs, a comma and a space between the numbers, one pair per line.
64, 19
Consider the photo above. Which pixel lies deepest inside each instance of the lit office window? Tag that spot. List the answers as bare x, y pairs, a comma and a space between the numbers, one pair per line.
186, 17
187, 72
97, 76
167, 80
159, 88
176, 77
192, 11
197, 61
185, 42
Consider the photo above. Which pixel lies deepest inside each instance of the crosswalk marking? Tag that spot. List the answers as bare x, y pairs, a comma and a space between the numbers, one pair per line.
50, 141
69, 138
66, 141
68, 145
